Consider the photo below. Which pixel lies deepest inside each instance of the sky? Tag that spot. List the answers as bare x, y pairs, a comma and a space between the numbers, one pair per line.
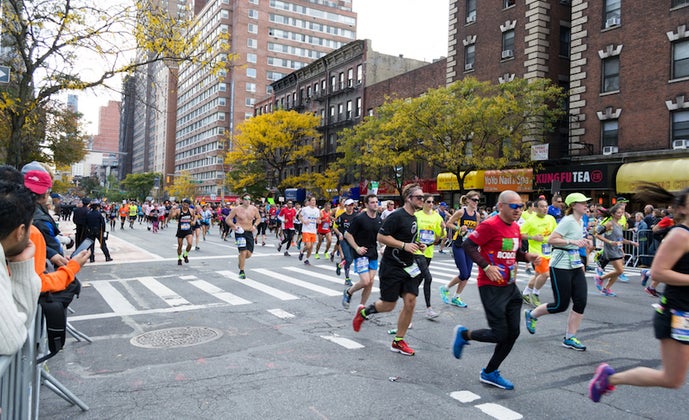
414, 28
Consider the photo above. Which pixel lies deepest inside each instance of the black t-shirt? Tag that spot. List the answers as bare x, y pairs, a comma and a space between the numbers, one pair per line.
343, 221
677, 297
401, 226
365, 229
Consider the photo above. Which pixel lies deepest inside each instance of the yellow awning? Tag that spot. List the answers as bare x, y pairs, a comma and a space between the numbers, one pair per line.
671, 174
447, 181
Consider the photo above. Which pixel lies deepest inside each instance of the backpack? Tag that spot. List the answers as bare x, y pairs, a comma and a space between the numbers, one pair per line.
54, 306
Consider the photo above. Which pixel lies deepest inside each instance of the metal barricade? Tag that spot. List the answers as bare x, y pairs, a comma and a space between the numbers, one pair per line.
647, 247
631, 252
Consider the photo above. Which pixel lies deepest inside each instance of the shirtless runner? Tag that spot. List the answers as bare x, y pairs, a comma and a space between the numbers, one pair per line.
243, 220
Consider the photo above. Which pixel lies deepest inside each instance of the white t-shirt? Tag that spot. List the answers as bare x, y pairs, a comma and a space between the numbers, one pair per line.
309, 216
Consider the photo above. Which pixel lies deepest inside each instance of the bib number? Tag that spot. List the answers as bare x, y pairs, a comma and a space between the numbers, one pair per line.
185, 226
325, 226
574, 258
427, 237
679, 325
361, 265
546, 249
413, 270
241, 242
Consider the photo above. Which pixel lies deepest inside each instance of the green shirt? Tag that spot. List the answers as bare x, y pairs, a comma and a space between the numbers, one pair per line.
570, 229
536, 225
430, 228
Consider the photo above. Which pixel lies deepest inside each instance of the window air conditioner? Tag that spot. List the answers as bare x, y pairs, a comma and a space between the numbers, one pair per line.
469, 66
507, 54
613, 21
471, 18
608, 150
680, 144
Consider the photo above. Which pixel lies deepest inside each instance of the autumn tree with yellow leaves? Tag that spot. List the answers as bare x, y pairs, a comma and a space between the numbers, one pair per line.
264, 146
466, 126
57, 46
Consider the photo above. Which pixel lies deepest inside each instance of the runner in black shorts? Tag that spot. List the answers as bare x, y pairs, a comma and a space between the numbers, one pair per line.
243, 220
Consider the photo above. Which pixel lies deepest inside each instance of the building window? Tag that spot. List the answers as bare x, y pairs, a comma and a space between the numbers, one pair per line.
508, 3
222, 87
359, 73
251, 87
251, 58
340, 111
611, 74
680, 59
348, 115
249, 101
678, 3
308, 91
251, 72
222, 101
350, 77
609, 133
341, 80
680, 125
333, 81
470, 11
253, 14
251, 43
253, 1
357, 110
565, 40
508, 44
253, 28
611, 13
469, 57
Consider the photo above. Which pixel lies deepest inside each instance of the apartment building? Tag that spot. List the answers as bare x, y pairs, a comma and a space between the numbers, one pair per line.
268, 40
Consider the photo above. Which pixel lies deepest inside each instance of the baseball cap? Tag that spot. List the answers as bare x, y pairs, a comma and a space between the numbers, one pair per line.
443, 204
349, 201
186, 200
576, 198
38, 181
33, 166
621, 200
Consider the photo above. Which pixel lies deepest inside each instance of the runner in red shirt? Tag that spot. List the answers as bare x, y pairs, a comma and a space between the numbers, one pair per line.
323, 229
288, 215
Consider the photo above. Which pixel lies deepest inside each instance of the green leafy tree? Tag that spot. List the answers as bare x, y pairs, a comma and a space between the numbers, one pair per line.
265, 145
139, 186
46, 41
183, 186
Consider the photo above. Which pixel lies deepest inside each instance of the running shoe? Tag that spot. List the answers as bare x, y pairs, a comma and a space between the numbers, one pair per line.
442, 252
535, 301
530, 322
495, 379
327, 256
529, 271
306, 262
197, 248
599, 282
263, 244
527, 299
458, 342
286, 254
651, 291
301, 256
280, 247
599, 384
393, 331
599, 271
359, 319
338, 269
456, 301
186, 259
623, 278
242, 275
332, 257
318, 257
179, 262
444, 294
346, 298
573, 343
645, 275
348, 282
401, 346
608, 292
431, 314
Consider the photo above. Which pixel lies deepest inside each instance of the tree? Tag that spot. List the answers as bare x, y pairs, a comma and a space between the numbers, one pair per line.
139, 186
265, 145
183, 186
48, 41
466, 126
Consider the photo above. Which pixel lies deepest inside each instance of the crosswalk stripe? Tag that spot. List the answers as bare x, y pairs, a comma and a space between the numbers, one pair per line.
281, 313
219, 293
117, 302
344, 342
327, 278
164, 292
258, 286
300, 283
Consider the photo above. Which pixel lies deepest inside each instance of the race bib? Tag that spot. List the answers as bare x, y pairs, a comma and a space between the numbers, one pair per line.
361, 265
679, 325
545, 249
426, 237
185, 226
241, 242
325, 226
574, 258
413, 270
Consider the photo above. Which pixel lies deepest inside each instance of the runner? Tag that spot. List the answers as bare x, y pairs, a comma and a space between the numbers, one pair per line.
310, 217
133, 214
185, 217
611, 233
243, 220
361, 237
124, 212
341, 225
197, 226
431, 232
495, 247
536, 230
670, 266
567, 270
399, 274
289, 214
206, 217
262, 226
464, 222
323, 231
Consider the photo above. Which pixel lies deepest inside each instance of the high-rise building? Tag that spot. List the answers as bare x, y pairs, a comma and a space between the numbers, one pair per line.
268, 39
108, 128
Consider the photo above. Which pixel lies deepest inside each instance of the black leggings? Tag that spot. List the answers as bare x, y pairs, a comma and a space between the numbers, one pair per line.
568, 285
289, 234
424, 264
503, 306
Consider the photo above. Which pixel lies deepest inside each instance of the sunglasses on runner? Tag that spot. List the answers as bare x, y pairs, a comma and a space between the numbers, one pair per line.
515, 206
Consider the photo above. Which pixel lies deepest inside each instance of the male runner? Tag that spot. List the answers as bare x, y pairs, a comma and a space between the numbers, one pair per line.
243, 220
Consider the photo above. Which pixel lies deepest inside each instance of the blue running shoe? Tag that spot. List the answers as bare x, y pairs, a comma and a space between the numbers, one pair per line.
599, 384
530, 322
444, 294
495, 379
459, 342
456, 301
645, 275
599, 271
573, 343
346, 298
599, 282
623, 278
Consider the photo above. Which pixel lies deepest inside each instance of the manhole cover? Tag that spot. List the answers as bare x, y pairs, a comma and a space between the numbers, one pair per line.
176, 337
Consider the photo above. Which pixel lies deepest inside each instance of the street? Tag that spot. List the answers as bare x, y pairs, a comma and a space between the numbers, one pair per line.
280, 345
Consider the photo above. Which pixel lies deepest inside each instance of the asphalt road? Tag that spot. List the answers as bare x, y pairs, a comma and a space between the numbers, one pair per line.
280, 345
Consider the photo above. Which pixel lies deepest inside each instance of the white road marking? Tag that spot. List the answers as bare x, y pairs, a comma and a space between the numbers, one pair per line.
144, 312
164, 292
258, 286
188, 277
280, 313
117, 302
344, 342
464, 396
219, 293
499, 412
331, 279
300, 283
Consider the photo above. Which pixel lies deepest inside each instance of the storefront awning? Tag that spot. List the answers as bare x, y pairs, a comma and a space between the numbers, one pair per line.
671, 174
520, 180
447, 181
